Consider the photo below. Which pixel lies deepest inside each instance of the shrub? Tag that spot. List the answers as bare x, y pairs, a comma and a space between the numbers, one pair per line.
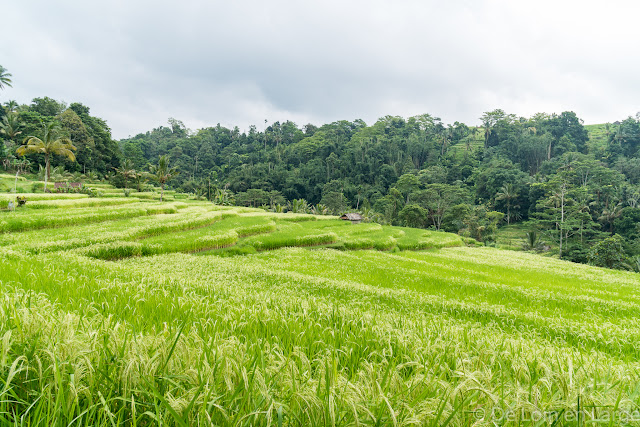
609, 253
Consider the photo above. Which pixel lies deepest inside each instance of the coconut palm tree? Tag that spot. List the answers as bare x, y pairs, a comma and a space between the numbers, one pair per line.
5, 78
126, 170
10, 125
609, 214
50, 144
163, 173
11, 106
140, 178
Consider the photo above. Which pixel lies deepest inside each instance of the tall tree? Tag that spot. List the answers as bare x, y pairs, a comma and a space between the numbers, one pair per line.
509, 194
104, 153
558, 209
47, 107
163, 173
50, 144
489, 120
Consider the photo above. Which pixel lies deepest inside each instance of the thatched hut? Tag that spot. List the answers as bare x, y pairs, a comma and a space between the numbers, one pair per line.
354, 217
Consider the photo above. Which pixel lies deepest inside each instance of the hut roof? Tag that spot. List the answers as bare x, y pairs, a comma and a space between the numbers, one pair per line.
352, 216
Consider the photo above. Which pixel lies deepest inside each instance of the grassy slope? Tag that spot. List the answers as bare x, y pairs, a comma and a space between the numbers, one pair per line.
598, 136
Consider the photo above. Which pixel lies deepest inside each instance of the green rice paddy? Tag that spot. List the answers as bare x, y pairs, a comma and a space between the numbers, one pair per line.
186, 313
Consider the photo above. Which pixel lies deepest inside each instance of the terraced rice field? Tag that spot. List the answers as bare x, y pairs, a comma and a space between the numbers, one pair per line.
185, 313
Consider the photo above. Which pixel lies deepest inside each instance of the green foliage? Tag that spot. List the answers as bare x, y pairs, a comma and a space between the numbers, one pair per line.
609, 253
10, 129
414, 216
626, 224
47, 107
532, 241
104, 154
481, 224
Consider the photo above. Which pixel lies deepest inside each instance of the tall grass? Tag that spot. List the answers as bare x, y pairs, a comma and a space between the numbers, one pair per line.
119, 250
31, 197
32, 220
79, 203
264, 341
304, 336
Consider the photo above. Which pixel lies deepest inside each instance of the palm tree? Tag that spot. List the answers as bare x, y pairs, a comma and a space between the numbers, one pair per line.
9, 126
223, 197
487, 132
446, 139
5, 78
11, 106
140, 178
532, 241
300, 206
50, 144
508, 193
163, 173
609, 214
126, 170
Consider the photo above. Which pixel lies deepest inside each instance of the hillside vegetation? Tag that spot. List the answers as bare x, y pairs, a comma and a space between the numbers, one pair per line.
189, 313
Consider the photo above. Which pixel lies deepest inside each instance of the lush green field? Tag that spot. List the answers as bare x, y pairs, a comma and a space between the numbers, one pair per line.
185, 313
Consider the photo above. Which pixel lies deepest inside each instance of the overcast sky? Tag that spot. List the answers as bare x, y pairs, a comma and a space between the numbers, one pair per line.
136, 63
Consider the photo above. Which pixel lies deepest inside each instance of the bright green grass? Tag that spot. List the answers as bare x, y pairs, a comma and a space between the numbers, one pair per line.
512, 236
8, 183
79, 203
330, 330
158, 221
100, 185
240, 231
31, 197
305, 335
598, 137
25, 219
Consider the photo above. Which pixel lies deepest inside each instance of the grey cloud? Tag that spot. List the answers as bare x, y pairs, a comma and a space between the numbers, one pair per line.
138, 63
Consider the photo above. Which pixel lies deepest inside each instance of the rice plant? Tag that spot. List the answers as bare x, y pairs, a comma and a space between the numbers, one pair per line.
112, 325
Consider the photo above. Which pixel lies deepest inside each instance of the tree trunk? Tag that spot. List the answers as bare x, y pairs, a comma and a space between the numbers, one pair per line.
561, 220
46, 171
161, 191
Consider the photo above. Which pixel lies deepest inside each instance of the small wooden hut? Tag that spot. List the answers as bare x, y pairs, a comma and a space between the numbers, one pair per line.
354, 217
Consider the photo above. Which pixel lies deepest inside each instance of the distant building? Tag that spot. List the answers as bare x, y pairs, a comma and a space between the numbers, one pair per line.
355, 217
